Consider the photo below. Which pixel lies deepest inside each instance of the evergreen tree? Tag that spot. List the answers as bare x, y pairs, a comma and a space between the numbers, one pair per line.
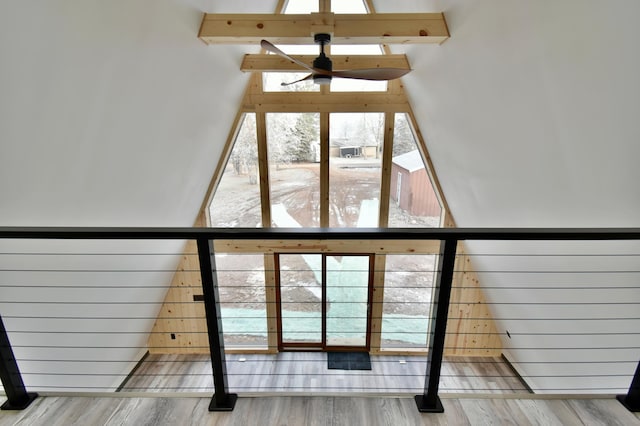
279, 137
303, 135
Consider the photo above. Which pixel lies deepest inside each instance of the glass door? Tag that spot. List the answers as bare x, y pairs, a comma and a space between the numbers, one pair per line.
324, 301
299, 296
347, 295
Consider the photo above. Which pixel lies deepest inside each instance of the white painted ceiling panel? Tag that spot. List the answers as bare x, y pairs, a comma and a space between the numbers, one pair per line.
530, 112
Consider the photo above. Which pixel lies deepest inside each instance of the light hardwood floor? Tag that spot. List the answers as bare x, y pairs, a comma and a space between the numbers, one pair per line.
318, 410
307, 372
319, 400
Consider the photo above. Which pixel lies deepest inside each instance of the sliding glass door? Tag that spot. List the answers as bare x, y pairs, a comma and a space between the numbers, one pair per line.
324, 301
299, 296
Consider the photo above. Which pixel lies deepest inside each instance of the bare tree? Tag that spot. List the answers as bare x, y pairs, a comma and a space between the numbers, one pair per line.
403, 138
244, 155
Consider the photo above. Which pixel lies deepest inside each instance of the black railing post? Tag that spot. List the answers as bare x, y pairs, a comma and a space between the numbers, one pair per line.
429, 402
17, 396
632, 399
222, 400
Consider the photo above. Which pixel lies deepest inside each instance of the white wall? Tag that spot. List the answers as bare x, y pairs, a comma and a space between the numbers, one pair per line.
530, 111
570, 308
78, 312
112, 113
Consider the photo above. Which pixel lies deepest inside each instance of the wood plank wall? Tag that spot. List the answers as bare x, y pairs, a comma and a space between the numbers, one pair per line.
181, 327
471, 330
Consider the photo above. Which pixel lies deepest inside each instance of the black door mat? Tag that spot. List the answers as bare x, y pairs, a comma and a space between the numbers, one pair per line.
349, 361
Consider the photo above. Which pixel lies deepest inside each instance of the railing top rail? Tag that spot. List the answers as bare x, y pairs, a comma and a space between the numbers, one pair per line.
111, 233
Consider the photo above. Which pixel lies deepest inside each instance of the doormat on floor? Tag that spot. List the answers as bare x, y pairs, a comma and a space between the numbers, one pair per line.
349, 360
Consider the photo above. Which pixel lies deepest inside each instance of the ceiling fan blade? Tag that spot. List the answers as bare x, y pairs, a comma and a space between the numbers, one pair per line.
372, 73
273, 49
361, 74
309, 77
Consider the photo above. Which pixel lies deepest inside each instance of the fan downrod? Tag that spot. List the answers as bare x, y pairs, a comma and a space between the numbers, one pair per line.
322, 39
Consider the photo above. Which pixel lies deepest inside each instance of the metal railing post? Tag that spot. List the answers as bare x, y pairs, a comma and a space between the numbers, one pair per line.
632, 399
17, 396
429, 402
222, 400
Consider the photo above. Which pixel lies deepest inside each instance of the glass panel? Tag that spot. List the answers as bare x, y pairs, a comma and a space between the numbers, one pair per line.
356, 49
347, 300
301, 298
242, 299
355, 161
348, 6
236, 202
353, 85
408, 287
271, 81
413, 202
301, 6
408, 290
293, 143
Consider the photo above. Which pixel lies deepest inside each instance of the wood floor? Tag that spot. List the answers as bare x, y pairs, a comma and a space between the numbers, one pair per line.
307, 372
318, 410
177, 390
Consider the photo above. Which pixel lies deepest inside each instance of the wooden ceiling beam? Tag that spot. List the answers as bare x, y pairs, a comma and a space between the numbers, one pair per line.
275, 63
326, 102
372, 28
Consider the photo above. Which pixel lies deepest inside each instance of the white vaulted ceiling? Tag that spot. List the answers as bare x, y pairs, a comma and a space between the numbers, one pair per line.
530, 111
114, 113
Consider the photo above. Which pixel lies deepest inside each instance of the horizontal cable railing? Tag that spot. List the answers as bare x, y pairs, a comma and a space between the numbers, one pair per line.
568, 314
541, 312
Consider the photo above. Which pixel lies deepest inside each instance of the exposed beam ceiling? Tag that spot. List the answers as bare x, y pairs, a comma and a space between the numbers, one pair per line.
372, 28
275, 63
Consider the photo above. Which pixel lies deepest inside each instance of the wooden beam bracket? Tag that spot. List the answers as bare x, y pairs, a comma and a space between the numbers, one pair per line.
322, 23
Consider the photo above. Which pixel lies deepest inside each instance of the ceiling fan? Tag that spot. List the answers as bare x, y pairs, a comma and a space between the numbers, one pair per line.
322, 68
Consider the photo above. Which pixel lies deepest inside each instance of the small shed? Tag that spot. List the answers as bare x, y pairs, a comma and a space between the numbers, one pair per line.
344, 148
411, 187
350, 151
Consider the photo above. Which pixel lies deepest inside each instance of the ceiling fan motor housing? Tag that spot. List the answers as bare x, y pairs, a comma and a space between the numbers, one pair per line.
322, 62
